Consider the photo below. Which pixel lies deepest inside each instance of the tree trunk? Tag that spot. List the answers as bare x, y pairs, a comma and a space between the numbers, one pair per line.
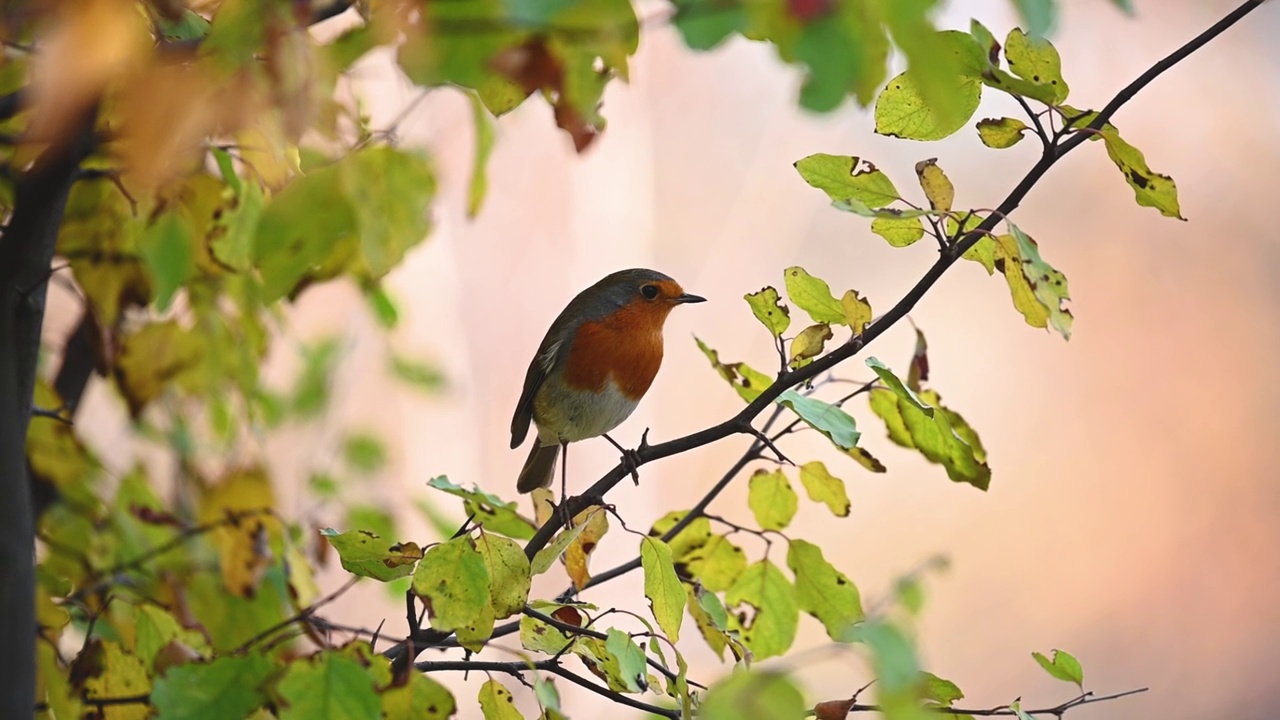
26, 250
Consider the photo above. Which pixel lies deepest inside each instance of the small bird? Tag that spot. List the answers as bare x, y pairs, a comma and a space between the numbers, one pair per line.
596, 362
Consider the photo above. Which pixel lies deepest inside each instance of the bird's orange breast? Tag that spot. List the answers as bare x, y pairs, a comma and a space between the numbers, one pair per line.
626, 345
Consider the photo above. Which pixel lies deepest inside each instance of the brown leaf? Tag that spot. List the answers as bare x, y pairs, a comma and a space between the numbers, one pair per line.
833, 709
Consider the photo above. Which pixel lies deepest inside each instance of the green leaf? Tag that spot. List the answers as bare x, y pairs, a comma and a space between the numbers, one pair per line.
546, 557
937, 187
607, 665
1151, 189
771, 499
704, 24
904, 109
509, 574
1033, 58
824, 417
374, 518
419, 698
328, 687
813, 295
389, 190
229, 686
490, 511
662, 586
1063, 666
233, 236
822, 591
484, 134
993, 76
1038, 289
548, 697
630, 656
1039, 15
763, 610
753, 694
717, 564
896, 385
857, 207
847, 178
809, 344
453, 582
419, 374
540, 636
307, 228
898, 231
1001, 133
824, 487
168, 252
365, 554
1018, 712
689, 540
845, 52
769, 311
496, 702
748, 382
945, 438
384, 306
939, 690
364, 452
189, 26
156, 627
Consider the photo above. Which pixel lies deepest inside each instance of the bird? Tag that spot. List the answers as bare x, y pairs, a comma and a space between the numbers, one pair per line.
596, 362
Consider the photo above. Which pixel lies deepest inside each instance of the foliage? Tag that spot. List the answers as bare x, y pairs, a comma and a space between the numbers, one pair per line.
226, 178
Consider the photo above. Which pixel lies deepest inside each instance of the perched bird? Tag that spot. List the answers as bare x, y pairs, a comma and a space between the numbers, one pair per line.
596, 362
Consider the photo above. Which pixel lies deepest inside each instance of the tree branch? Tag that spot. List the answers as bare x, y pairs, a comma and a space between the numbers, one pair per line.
1005, 710
1053, 152
945, 260
548, 666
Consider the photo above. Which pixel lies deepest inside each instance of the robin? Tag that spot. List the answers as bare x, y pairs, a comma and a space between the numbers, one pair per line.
596, 362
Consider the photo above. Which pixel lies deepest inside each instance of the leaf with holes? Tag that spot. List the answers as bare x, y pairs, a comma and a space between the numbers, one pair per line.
843, 177
813, 295
365, 554
1063, 666
762, 609
769, 310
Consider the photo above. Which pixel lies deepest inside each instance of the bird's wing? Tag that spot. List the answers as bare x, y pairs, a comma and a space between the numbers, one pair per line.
541, 366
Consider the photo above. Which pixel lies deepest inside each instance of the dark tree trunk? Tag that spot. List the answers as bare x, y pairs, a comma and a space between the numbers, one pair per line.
26, 250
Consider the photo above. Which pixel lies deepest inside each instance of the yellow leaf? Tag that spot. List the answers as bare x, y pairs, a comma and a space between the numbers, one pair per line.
809, 343
937, 188
156, 356
245, 542
578, 555
857, 311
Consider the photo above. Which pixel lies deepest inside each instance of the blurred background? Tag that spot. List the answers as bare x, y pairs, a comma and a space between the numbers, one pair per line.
1130, 518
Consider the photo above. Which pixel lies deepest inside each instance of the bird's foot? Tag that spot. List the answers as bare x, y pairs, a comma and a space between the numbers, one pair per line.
631, 458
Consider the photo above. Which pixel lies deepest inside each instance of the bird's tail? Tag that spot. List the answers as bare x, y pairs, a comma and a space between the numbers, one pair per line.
539, 468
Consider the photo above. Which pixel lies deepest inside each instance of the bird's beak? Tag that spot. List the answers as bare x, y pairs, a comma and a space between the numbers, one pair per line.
689, 298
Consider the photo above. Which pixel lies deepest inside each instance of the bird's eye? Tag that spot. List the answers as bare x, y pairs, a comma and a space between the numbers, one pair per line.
649, 291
